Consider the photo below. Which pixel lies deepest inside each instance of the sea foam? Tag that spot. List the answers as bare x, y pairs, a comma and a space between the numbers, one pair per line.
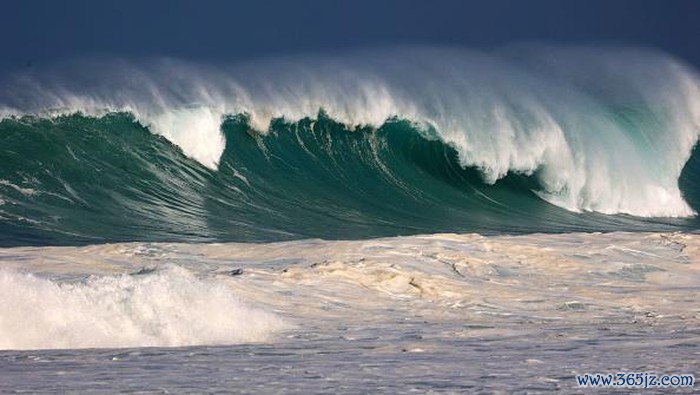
170, 307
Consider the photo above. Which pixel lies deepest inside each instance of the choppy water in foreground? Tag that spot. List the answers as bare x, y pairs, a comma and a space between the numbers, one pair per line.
441, 312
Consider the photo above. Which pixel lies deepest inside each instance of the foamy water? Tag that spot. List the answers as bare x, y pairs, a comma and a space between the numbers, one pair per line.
456, 311
169, 308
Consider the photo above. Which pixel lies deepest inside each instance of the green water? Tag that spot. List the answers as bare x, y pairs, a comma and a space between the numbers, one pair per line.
78, 179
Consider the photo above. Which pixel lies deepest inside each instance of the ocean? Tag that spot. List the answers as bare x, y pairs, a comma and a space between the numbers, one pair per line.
373, 221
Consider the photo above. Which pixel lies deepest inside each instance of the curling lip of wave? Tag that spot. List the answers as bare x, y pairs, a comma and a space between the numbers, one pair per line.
605, 130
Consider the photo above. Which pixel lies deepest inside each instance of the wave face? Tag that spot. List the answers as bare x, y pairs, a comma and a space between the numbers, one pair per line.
364, 144
76, 179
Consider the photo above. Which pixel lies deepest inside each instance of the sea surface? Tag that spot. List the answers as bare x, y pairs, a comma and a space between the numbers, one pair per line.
444, 312
404, 219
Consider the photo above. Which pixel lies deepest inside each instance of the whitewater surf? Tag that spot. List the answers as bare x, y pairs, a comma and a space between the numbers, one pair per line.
399, 314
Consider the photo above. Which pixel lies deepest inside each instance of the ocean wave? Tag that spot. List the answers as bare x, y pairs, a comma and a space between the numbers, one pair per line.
106, 179
605, 130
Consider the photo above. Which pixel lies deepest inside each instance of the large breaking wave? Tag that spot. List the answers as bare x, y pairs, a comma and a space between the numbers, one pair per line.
360, 144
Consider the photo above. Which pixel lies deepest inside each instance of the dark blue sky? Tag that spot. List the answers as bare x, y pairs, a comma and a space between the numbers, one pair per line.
38, 32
